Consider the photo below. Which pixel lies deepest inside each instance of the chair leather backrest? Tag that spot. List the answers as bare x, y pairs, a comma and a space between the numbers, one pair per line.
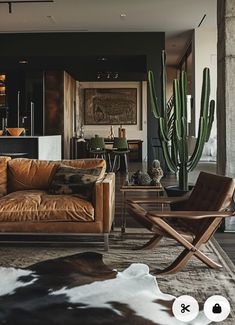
97, 143
120, 143
211, 193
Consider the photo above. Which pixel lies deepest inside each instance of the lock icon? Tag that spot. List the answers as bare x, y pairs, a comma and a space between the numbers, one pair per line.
217, 309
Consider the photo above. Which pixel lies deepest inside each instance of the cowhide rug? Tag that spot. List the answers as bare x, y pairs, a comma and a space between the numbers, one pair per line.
81, 289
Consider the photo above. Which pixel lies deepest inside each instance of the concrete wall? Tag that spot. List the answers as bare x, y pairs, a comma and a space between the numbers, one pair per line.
226, 93
204, 55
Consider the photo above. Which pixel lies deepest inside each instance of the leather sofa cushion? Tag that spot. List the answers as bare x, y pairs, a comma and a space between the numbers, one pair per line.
34, 205
88, 164
3, 175
79, 181
31, 174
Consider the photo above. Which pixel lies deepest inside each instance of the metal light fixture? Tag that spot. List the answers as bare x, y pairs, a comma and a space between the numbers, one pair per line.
11, 2
107, 75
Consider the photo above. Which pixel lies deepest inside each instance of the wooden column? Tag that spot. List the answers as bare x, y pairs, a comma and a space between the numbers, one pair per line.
60, 95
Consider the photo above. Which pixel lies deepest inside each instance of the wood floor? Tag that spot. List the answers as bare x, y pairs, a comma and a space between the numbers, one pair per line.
226, 240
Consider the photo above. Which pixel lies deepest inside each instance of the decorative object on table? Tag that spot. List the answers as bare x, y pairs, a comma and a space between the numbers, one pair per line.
140, 178
121, 132
173, 123
15, 131
1, 132
81, 132
110, 106
156, 172
111, 133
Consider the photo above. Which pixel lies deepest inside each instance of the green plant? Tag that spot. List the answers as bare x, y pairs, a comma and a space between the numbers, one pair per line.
173, 122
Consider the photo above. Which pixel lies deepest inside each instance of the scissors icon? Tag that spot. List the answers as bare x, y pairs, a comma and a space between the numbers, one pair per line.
185, 308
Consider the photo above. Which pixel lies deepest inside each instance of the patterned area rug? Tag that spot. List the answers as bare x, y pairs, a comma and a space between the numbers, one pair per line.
196, 279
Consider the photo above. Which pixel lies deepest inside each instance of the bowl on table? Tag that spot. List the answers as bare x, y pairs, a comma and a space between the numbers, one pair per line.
15, 132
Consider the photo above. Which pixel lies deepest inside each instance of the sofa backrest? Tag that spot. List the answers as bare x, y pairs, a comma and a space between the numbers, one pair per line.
31, 174
3, 175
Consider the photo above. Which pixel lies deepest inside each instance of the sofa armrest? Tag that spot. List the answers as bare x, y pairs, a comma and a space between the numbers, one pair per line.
3, 175
108, 201
104, 202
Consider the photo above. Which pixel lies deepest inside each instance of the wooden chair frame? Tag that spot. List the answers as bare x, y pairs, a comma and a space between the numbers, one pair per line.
159, 223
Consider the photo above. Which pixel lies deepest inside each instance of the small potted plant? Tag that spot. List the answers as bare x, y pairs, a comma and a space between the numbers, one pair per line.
173, 123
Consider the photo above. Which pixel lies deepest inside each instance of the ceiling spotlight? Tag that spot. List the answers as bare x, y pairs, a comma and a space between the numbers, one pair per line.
23, 61
103, 75
123, 15
51, 18
102, 59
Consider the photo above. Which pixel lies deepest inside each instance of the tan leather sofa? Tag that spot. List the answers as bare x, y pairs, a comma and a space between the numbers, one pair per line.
27, 207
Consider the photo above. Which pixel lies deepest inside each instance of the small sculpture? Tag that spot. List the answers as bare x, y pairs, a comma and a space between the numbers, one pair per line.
141, 178
155, 172
111, 133
121, 132
81, 133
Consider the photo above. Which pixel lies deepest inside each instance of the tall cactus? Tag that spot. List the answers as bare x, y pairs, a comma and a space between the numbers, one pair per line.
173, 124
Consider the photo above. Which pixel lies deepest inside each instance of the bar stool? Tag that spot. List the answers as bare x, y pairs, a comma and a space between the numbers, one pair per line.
97, 149
120, 149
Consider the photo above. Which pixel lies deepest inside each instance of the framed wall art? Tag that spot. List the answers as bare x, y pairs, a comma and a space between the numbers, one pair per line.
110, 106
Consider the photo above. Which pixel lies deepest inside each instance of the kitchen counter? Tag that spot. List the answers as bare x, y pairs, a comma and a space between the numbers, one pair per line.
46, 147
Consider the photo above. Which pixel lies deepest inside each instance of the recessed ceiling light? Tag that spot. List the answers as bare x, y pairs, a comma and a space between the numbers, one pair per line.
51, 18
102, 59
123, 15
23, 61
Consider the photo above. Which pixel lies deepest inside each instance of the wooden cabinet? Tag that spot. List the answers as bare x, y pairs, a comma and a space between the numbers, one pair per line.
135, 147
79, 149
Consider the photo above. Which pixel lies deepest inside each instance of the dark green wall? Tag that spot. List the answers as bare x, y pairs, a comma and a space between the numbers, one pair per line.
100, 44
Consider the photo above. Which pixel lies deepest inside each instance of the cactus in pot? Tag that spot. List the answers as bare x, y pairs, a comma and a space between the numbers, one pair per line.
173, 123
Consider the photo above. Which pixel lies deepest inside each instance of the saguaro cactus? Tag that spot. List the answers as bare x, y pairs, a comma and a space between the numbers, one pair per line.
173, 123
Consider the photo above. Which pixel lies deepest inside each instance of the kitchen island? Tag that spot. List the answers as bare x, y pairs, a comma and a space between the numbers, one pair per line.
46, 147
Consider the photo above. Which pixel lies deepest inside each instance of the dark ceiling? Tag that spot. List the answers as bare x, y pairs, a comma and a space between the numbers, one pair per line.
83, 68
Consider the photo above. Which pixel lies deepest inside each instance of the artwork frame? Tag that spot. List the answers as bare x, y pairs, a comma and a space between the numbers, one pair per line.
110, 106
